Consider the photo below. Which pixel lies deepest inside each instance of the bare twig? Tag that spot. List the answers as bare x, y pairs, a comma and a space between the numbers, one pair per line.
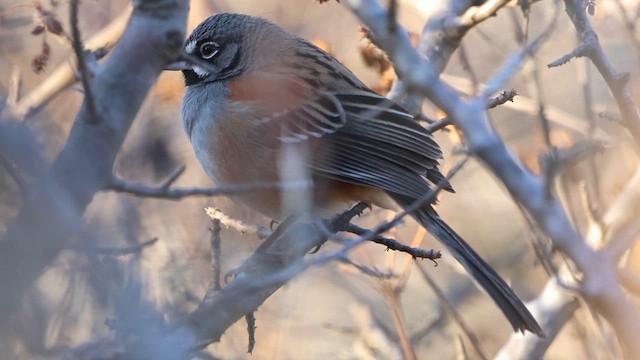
392, 294
578, 52
259, 279
493, 102
453, 313
122, 251
515, 61
473, 16
238, 225
616, 81
64, 76
629, 25
251, 331
17, 176
165, 191
367, 270
392, 244
599, 284
438, 125
215, 254
52, 213
85, 75
385, 226
501, 98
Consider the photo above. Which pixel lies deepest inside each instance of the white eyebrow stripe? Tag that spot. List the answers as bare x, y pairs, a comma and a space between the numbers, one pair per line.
201, 72
190, 47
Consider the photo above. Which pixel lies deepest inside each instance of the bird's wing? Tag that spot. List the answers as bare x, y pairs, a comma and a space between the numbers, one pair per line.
363, 138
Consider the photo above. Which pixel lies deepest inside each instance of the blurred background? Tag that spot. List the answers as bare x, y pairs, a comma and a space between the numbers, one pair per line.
333, 311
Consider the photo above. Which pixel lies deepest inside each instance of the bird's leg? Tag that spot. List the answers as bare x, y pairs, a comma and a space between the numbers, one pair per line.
277, 232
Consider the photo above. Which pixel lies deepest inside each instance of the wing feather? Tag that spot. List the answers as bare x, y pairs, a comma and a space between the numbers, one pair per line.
365, 139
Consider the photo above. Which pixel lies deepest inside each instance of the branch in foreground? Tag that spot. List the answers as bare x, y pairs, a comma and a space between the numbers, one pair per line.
263, 273
262, 276
52, 211
553, 308
493, 102
600, 284
81, 60
164, 191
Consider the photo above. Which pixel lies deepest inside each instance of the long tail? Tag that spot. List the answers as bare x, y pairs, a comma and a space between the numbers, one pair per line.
511, 306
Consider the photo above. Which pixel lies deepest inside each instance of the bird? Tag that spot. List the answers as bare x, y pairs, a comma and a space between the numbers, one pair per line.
260, 102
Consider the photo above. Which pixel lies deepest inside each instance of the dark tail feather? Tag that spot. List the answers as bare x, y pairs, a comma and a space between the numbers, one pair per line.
512, 307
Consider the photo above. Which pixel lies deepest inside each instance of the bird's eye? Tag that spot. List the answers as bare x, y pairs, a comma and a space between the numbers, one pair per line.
209, 49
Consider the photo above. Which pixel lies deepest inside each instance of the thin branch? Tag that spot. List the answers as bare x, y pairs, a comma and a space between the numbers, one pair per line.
438, 125
164, 191
258, 280
81, 60
122, 251
15, 174
453, 313
514, 62
503, 97
599, 284
392, 244
251, 331
261, 276
619, 223
64, 76
367, 270
476, 14
578, 52
616, 81
385, 226
493, 102
166, 184
630, 25
392, 294
215, 254
238, 225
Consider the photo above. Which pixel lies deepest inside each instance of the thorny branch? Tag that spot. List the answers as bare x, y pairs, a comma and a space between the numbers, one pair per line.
266, 270
589, 46
600, 284
81, 59
498, 100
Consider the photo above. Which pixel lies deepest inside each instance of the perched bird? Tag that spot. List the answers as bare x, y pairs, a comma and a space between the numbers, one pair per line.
268, 102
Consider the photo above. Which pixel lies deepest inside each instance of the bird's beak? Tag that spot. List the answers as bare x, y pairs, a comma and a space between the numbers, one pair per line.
178, 66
